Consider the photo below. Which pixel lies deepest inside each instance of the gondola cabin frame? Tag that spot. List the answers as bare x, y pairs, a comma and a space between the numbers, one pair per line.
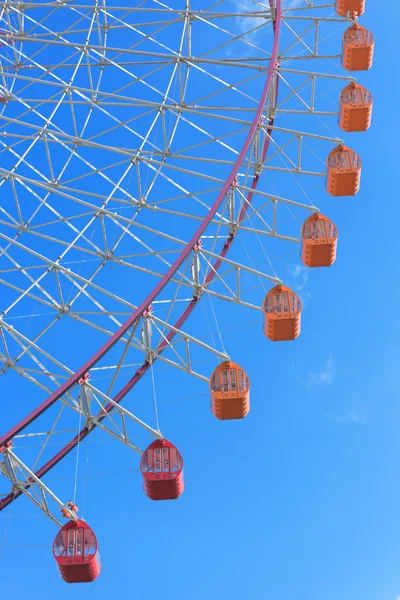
282, 314
319, 237
230, 392
162, 471
355, 113
343, 172
76, 552
357, 49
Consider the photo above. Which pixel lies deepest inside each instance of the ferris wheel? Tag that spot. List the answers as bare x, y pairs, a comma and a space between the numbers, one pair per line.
153, 156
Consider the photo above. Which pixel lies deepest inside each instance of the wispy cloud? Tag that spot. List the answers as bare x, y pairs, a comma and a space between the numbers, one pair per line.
349, 417
300, 273
298, 282
304, 297
247, 24
255, 6
253, 28
292, 3
324, 376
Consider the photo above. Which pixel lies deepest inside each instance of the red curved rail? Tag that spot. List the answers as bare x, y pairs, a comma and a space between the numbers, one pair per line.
159, 287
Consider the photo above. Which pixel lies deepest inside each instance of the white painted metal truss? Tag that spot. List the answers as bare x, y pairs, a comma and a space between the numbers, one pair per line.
119, 126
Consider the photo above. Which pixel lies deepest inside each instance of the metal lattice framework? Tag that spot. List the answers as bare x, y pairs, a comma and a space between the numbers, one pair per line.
137, 143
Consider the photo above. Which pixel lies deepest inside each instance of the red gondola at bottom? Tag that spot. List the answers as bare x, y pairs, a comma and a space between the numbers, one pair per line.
76, 552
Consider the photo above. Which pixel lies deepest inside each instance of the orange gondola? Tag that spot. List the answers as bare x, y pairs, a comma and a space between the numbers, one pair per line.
318, 241
282, 314
355, 108
358, 48
343, 172
343, 7
162, 471
76, 552
230, 392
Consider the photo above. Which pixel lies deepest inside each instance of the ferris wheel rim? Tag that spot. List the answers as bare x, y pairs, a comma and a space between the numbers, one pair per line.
5, 440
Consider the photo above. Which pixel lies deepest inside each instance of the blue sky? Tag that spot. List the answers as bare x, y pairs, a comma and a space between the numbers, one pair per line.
300, 499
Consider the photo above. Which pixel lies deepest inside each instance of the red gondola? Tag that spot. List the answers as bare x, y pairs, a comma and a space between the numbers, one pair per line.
76, 552
162, 470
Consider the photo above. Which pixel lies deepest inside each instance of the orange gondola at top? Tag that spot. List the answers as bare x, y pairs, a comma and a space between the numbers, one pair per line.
230, 392
355, 108
343, 7
76, 552
343, 172
162, 470
318, 241
282, 314
358, 48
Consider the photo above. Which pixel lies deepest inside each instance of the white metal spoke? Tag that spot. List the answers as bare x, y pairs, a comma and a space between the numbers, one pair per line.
119, 127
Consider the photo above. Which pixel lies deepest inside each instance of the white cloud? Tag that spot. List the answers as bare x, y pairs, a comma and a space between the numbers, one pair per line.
350, 417
297, 270
324, 376
255, 25
255, 6
249, 23
292, 3
304, 297
300, 272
